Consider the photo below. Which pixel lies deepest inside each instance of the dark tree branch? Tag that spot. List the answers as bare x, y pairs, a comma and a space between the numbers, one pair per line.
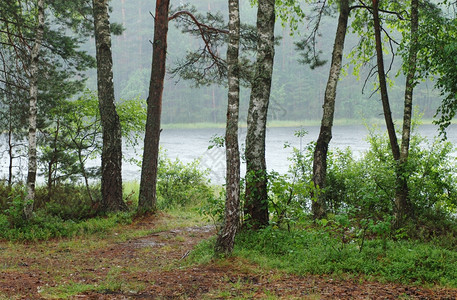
13, 84
200, 25
204, 65
204, 29
396, 13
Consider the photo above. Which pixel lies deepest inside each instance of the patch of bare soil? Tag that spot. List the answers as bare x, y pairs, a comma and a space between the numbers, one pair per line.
151, 268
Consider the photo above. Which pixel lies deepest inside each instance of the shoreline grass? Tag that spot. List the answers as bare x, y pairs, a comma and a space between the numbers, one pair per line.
285, 123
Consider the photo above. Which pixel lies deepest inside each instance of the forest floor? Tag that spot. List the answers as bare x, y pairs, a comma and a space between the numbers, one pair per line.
147, 260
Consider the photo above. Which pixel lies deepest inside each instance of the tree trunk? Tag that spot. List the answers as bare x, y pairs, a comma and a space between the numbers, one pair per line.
226, 238
33, 81
10, 153
53, 161
383, 85
256, 205
148, 184
10, 146
112, 140
402, 203
325, 135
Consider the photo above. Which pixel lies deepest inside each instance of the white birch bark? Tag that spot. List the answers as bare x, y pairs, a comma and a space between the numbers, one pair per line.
256, 171
33, 110
226, 238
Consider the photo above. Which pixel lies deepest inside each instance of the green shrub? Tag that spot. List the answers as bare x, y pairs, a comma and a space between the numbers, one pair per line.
42, 226
69, 201
364, 188
180, 184
318, 252
430, 171
214, 208
68, 213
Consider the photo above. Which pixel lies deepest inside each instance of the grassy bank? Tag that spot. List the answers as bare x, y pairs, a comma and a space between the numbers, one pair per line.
285, 123
316, 252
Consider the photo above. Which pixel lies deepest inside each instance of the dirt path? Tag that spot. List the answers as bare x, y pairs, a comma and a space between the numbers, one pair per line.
153, 267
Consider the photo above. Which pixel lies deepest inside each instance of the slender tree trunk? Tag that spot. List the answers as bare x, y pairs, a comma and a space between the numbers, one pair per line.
402, 203
383, 85
112, 140
10, 147
10, 164
33, 81
148, 184
256, 205
53, 160
9, 98
86, 179
226, 238
325, 135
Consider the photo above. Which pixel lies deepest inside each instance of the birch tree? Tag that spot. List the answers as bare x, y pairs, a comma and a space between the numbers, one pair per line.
325, 134
256, 205
402, 202
33, 86
226, 238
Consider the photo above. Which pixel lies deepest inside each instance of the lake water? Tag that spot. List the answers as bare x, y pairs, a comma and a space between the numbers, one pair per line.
190, 144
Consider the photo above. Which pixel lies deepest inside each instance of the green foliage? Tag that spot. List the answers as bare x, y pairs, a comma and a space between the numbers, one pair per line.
317, 252
363, 190
69, 201
286, 199
132, 115
217, 141
437, 52
71, 138
43, 227
68, 213
14, 211
214, 208
431, 179
290, 13
72, 209
180, 184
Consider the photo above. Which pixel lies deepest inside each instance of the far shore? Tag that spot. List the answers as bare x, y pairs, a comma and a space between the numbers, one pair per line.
275, 123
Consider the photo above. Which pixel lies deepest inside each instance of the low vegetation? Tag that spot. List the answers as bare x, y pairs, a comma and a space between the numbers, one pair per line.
357, 237
355, 241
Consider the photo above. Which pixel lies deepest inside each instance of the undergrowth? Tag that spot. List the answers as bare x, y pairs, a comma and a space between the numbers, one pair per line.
317, 252
69, 209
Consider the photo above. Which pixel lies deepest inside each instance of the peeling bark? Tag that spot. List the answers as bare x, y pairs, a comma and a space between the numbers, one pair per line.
325, 135
33, 109
383, 85
111, 186
148, 184
226, 238
256, 206
402, 203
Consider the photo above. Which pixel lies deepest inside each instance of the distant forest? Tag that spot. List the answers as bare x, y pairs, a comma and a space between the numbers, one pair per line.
297, 90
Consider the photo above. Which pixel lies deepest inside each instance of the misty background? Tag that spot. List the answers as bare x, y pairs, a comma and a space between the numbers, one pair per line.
297, 91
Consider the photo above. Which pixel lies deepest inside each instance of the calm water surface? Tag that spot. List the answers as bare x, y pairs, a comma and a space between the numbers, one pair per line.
190, 144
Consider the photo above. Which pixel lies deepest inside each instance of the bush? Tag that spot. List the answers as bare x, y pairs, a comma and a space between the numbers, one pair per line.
68, 213
364, 188
69, 201
180, 184
432, 181
43, 226
317, 252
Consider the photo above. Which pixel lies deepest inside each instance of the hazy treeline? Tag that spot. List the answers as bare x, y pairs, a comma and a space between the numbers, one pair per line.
297, 91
